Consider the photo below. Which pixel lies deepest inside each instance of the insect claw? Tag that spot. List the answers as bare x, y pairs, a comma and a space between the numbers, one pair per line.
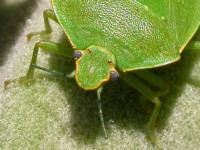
6, 83
30, 36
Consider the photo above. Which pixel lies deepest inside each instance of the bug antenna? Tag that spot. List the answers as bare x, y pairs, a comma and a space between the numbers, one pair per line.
99, 91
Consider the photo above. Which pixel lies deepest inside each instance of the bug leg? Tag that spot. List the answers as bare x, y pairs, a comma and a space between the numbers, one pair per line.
101, 112
70, 75
55, 48
193, 45
152, 79
151, 96
47, 14
153, 118
59, 49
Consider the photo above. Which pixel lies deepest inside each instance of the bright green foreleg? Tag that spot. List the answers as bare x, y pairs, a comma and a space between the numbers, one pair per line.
59, 49
151, 96
51, 47
47, 14
101, 112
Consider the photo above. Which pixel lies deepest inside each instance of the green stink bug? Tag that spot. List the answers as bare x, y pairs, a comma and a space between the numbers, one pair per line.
112, 37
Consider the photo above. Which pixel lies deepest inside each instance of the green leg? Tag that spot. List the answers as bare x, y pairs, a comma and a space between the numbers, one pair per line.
50, 47
141, 87
47, 14
101, 112
59, 49
194, 82
153, 79
193, 45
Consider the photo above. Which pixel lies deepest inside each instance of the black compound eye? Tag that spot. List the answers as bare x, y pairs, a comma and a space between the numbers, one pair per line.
114, 75
77, 54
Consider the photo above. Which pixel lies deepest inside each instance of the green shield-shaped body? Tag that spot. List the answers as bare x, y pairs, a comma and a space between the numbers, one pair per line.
134, 35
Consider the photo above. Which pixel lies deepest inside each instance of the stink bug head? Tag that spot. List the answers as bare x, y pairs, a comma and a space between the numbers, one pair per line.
94, 67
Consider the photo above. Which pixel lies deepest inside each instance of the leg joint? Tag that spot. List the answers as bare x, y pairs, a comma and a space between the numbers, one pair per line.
156, 101
40, 44
49, 14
